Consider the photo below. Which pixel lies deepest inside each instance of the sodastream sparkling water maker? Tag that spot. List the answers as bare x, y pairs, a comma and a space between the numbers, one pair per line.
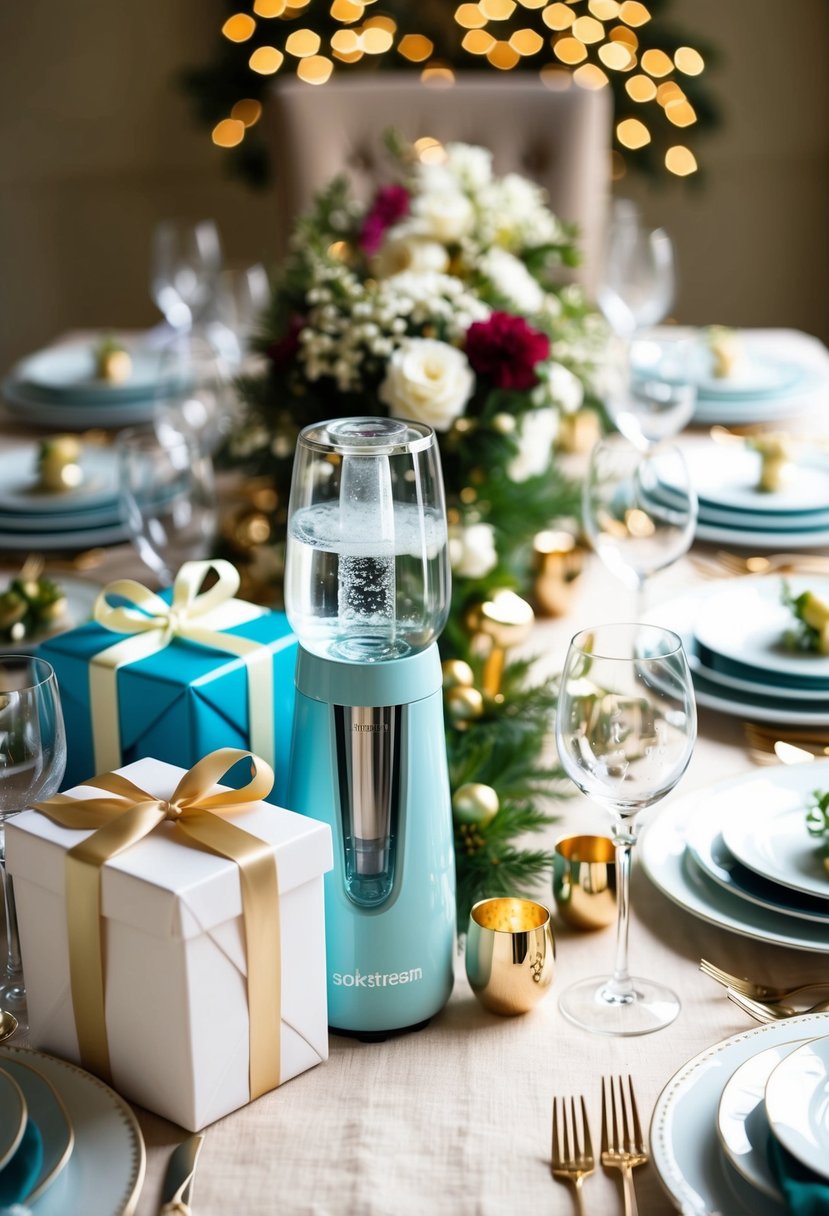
367, 592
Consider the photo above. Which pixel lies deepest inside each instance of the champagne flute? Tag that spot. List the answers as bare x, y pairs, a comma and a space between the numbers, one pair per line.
637, 277
639, 509
625, 730
167, 497
32, 764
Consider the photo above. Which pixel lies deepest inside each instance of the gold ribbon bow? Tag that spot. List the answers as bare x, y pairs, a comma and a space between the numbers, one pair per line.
120, 821
152, 623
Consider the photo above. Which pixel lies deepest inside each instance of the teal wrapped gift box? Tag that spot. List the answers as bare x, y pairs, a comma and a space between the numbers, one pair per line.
178, 704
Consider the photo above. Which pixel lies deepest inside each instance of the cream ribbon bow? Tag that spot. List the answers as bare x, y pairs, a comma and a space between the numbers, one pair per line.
151, 623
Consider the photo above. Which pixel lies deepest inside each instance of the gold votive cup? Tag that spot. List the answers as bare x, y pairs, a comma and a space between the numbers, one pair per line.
510, 954
558, 562
584, 881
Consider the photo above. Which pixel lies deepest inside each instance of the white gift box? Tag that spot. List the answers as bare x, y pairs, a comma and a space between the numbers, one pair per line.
174, 970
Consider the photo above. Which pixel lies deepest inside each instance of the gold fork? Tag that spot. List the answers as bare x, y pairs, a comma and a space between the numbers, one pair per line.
762, 739
759, 992
761, 1011
623, 1146
572, 1153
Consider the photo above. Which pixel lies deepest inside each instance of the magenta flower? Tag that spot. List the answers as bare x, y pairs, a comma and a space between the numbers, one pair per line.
390, 204
505, 349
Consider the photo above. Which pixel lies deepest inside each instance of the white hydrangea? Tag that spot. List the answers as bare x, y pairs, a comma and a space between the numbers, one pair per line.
511, 279
535, 445
472, 552
471, 166
513, 213
443, 215
559, 387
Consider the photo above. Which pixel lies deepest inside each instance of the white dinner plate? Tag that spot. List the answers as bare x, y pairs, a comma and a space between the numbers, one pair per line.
80, 599
718, 670
48, 1110
97, 517
25, 402
732, 411
13, 1115
769, 521
753, 376
19, 492
710, 852
762, 539
770, 837
104, 1174
727, 476
68, 372
746, 621
81, 538
670, 867
685, 1149
797, 1104
742, 1123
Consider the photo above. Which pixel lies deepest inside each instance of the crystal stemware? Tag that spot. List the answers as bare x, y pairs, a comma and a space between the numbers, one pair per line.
625, 730
167, 497
639, 509
649, 385
637, 277
32, 764
185, 262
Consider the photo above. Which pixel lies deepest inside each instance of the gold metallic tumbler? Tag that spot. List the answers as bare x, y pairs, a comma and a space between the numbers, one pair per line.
584, 881
510, 954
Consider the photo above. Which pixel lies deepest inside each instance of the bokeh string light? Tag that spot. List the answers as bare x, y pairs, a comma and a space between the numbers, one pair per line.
594, 43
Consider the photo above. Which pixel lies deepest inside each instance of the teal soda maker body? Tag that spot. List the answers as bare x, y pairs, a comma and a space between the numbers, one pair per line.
367, 592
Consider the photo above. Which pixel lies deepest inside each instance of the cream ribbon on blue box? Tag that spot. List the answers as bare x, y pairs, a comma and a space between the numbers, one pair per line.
197, 616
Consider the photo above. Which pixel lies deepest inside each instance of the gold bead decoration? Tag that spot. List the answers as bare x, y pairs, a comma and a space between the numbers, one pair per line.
475, 803
463, 705
457, 674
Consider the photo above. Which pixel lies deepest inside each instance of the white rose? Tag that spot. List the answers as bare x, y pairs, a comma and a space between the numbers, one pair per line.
511, 279
404, 252
472, 551
444, 215
565, 388
535, 445
471, 165
428, 381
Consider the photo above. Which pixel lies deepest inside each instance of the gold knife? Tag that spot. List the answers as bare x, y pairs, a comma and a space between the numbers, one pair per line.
177, 1188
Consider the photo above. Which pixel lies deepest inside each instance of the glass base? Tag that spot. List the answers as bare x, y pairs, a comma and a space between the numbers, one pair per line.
593, 1005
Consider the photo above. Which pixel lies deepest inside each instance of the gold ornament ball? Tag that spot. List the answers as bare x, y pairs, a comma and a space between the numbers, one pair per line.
464, 705
475, 803
457, 674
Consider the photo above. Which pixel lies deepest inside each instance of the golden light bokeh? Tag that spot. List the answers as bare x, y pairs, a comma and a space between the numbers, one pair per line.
556, 78
526, 42
478, 42
269, 8
588, 30
621, 33
470, 17
558, 16
266, 60
497, 10
640, 88
302, 43
376, 41
669, 91
631, 133
590, 76
345, 42
688, 60
427, 147
228, 133
381, 22
680, 113
437, 73
315, 70
532, 3
570, 50
657, 63
415, 47
680, 160
347, 11
605, 10
348, 56
617, 56
239, 27
502, 56
248, 111
633, 13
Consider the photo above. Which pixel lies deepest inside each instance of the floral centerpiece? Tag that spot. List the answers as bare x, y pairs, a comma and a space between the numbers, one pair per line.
442, 301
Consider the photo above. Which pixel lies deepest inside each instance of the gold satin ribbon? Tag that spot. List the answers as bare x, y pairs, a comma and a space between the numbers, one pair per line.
119, 822
152, 623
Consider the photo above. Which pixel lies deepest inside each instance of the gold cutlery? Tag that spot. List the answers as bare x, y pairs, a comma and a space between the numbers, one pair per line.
768, 744
623, 1145
761, 1011
572, 1153
759, 992
724, 565
177, 1188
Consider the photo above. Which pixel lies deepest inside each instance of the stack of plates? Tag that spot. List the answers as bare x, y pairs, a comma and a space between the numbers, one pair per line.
93, 1158
58, 388
733, 634
32, 519
713, 1120
770, 381
732, 511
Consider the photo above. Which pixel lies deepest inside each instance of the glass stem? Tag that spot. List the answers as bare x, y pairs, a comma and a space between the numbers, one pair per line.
640, 602
620, 988
13, 989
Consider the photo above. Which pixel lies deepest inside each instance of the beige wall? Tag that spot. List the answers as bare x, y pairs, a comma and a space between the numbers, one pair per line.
96, 145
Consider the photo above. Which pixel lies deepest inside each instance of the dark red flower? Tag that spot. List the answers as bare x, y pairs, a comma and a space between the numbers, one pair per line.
505, 349
283, 351
390, 204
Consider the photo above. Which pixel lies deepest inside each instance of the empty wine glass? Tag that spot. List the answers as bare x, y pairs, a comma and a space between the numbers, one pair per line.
639, 509
636, 280
649, 385
242, 294
185, 261
625, 730
167, 497
195, 392
32, 764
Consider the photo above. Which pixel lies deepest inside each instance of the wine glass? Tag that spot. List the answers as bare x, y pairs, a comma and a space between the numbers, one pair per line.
242, 294
637, 277
625, 730
32, 764
167, 497
639, 509
185, 262
195, 393
649, 385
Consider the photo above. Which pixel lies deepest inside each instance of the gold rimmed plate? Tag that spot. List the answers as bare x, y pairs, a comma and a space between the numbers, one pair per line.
47, 1110
13, 1115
